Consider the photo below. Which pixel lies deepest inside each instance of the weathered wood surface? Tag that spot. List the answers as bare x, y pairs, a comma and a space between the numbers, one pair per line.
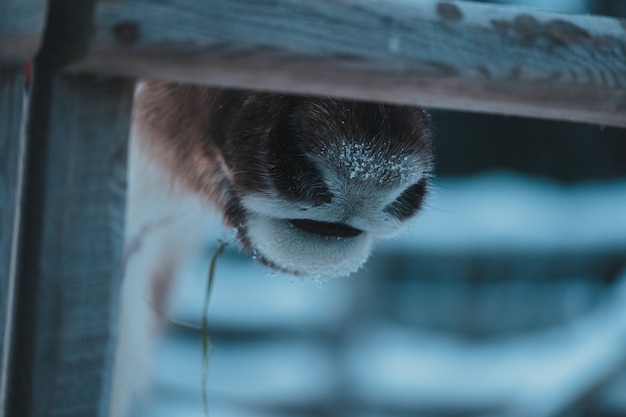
71, 247
457, 55
21, 25
71, 233
11, 151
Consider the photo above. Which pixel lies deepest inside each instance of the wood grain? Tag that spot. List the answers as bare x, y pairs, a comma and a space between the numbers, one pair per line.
71, 246
457, 55
21, 26
11, 151
70, 235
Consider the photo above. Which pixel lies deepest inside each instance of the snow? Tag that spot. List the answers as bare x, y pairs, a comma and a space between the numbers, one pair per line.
362, 162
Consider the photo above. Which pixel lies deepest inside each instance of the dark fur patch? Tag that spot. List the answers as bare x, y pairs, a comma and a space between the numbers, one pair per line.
409, 202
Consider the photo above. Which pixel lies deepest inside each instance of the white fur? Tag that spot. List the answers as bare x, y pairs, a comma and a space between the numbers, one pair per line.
165, 228
305, 253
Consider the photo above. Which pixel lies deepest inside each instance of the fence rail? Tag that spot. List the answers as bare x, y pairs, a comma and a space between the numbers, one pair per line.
11, 152
65, 261
455, 55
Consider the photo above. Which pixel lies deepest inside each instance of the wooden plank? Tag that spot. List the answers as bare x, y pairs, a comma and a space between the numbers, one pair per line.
21, 25
11, 151
71, 234
459, 55
71, 247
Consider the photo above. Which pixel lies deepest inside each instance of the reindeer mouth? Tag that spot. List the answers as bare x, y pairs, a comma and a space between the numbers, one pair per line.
307, 247
325, 228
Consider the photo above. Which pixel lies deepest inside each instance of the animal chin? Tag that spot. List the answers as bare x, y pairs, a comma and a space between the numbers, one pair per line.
307, 247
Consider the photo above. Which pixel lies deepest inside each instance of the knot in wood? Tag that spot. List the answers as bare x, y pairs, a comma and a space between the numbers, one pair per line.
126, 32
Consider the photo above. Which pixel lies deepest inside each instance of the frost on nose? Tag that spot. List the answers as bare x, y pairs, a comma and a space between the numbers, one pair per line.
361, 162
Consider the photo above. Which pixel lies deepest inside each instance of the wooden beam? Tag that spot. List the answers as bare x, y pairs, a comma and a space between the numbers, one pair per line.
455, 55
71, 248
11, 161
21, 25
71, 234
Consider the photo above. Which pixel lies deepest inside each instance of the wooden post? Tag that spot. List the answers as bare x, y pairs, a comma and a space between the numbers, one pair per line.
21, 25
71, 247
11, 152
71, 234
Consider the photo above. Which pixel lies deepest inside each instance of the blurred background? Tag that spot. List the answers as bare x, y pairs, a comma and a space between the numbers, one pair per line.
506, 298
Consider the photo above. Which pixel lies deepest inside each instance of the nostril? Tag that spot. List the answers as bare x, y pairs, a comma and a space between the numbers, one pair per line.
409, 202
325, 228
